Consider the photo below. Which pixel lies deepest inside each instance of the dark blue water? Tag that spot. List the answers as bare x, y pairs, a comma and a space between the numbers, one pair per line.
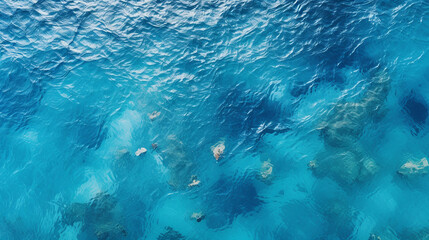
318, 105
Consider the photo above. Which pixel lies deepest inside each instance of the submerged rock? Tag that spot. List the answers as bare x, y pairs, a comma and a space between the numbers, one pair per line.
154, 115
199, 216
170, 234
176, 159
342, 161
374, 237
141, 151
218, 150
384, 234
266, 169
154, 146
74, 213
412, 168
345, 167
312, 164
194, 181
98, 217
110, 230
344, 126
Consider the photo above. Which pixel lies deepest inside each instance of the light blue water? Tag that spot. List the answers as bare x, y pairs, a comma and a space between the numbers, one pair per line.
343, 84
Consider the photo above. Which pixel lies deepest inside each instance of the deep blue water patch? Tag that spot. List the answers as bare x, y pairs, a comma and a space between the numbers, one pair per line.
228, 198
416, 109
243, 111
21, 92
86, 127
332, 30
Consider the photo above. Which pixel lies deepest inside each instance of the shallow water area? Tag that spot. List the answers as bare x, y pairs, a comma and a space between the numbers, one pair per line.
316, 105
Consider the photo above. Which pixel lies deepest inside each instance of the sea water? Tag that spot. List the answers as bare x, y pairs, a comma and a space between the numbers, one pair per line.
318, 105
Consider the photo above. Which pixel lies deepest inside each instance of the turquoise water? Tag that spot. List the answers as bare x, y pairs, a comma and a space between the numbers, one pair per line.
318, 105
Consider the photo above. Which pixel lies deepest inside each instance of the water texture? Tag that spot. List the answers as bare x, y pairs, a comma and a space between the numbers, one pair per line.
319, 105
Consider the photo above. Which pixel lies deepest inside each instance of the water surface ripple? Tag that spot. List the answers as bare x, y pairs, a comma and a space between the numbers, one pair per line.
317, 105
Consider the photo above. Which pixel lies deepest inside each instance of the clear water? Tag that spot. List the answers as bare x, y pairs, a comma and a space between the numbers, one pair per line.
272, 79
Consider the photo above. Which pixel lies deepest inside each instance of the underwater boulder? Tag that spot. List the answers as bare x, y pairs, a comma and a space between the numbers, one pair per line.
342, 160
229, 198
347, 120
376, 93
413, 168
368, 169
344, 126
343, 166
